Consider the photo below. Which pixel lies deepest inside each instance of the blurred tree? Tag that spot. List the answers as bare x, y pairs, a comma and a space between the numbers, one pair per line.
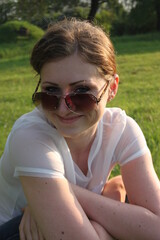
57, 5
157, 9
42, 12
117, 16
7, 10
111, 14
144, 16
93, 9
105, 19
31, 10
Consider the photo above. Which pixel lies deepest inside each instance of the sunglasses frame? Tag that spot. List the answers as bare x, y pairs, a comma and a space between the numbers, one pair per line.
95, 99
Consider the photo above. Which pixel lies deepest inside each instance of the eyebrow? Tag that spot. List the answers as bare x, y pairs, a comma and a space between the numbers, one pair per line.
71, 84
74, 83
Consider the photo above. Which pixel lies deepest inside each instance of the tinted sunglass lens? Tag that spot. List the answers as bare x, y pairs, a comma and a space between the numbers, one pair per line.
76, 102
48, 101
82, 102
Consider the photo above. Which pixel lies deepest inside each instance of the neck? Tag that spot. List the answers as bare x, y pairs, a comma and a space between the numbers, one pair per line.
81, 143
80, 147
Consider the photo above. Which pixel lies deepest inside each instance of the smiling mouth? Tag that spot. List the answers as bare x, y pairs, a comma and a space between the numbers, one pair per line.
69, 119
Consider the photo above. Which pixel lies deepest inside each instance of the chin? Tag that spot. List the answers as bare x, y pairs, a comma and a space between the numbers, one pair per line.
70, 133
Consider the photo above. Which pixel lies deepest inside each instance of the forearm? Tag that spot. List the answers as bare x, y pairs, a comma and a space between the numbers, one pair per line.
123, 221
101, 232
28, 228
57, 212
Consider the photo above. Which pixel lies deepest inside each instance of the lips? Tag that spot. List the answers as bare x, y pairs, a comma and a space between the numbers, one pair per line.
69, 119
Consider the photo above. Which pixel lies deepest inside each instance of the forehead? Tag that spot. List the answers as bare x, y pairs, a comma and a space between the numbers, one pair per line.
68, 70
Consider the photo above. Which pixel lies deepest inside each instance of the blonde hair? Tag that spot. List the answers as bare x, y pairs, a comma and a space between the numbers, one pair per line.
66, 37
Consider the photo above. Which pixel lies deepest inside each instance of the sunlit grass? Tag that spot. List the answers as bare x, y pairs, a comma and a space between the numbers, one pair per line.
138, 61
139, 96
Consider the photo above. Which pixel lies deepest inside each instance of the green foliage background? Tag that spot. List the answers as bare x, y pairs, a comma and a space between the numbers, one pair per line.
117, 16
138, 59
12, 31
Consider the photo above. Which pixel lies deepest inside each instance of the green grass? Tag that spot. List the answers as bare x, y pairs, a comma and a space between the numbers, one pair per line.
8, 51
138, 59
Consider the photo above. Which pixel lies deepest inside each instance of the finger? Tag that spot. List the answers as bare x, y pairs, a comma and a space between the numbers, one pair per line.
27, 230
21, 234
34, 230
21, 229
40, 235
24, 228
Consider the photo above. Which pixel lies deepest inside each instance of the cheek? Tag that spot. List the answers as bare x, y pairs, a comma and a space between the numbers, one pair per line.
96, 114
50, 116
105, 98
92, 115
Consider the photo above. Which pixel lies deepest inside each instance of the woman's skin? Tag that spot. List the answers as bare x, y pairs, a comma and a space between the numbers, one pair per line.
113, 189
64, 211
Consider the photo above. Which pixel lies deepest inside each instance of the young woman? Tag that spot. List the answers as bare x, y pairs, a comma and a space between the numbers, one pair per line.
58, 157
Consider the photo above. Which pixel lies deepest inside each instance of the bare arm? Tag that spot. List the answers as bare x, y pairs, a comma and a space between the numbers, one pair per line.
58, 213
139, 220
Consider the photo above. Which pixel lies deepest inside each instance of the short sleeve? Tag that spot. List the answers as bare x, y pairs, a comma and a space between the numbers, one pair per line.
34, 153
132, 143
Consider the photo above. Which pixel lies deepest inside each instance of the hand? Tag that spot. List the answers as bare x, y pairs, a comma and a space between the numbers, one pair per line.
28, 228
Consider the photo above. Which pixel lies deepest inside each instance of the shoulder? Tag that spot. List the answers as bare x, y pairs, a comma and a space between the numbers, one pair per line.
33, 129
124, 135
114, 116
30, 119
113, 122
35, 147
117, 118
32, 123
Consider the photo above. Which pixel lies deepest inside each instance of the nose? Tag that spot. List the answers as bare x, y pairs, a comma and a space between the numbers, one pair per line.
62, 105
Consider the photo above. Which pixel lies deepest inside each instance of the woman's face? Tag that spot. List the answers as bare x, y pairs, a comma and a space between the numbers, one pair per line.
71, 74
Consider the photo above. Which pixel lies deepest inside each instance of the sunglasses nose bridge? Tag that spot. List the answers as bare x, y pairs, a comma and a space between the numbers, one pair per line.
68, 101
63, 103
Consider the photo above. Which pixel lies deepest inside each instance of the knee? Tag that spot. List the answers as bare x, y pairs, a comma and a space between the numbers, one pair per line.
115, 189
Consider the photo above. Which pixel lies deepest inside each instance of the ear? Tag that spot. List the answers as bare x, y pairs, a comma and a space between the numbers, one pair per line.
113, 88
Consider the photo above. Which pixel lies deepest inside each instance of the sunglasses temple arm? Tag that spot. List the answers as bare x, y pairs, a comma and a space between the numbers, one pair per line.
99, 99
36, 89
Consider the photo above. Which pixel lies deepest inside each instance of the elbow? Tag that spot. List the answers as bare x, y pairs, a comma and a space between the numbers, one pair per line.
155, 228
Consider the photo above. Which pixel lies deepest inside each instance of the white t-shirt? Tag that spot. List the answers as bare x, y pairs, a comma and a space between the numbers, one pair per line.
34, 144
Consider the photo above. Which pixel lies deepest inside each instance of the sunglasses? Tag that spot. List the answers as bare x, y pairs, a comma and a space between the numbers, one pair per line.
76, 102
